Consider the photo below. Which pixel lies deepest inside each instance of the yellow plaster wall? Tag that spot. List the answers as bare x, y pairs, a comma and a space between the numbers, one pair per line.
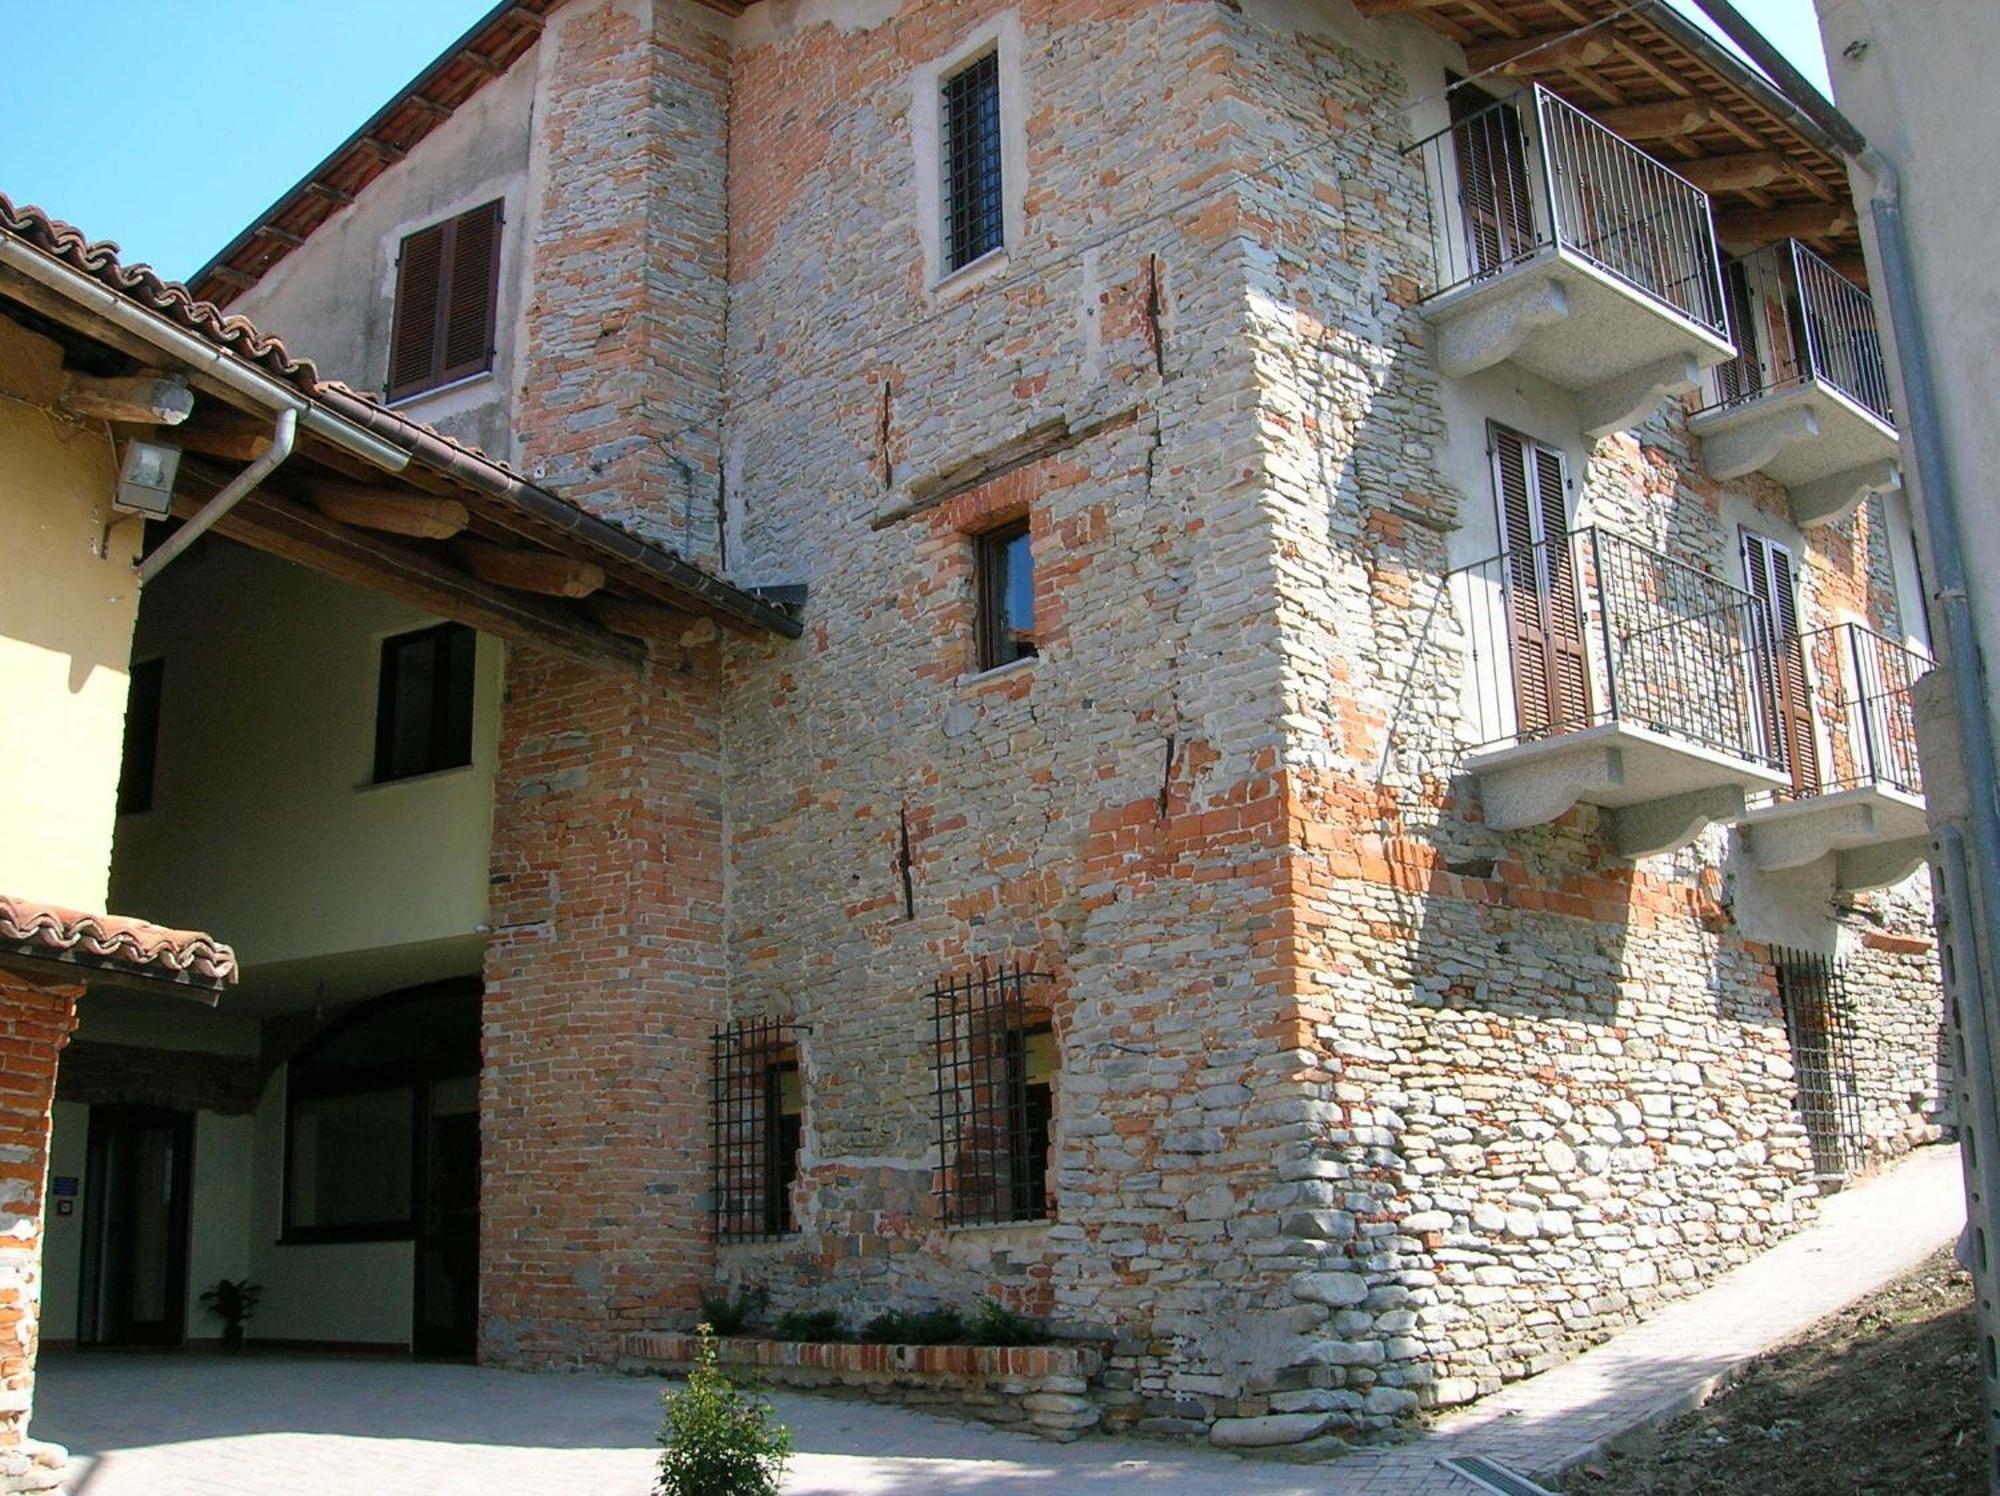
66, 619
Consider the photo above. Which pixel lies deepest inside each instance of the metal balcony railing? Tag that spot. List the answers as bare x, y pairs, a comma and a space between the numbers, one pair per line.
1597, 629
1505, 186
1815, 325
1863, 709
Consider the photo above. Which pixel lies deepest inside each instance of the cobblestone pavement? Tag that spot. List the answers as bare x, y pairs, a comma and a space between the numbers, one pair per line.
162, 1425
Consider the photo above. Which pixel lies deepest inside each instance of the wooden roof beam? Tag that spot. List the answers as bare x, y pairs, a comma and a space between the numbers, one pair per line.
1396, 7
392, 511
530, 571
1546, 52
1659, 121
1750, 227
141, 400
1738, 173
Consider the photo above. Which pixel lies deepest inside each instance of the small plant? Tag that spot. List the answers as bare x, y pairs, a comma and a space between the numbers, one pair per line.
730, 1314
233, 1302
717, 1440
811, 1324
944, 1326
993, 1323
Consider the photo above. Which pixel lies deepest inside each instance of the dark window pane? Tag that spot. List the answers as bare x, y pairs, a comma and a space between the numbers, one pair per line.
972, 196
1005, 588
351, 1159
424, 708
142, 736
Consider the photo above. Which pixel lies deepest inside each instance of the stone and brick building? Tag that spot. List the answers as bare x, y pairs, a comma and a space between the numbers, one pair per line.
1306, 766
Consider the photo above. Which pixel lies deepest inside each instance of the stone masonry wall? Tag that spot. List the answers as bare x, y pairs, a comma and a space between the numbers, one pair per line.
35, 1023
1558, 1084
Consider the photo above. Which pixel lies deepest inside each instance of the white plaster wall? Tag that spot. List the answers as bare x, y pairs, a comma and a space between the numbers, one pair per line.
332, 298
1918, 81
265, 825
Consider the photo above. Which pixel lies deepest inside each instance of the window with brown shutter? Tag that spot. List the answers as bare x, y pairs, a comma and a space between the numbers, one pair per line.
447, 285
1544, 611
1767, 573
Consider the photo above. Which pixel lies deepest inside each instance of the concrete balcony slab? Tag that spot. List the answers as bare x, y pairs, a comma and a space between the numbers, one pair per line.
1661, 790
1830, 450
1875, 833
1620, 349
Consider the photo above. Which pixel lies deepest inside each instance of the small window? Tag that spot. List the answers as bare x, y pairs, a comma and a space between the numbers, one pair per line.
423, 717
757, 1121
996, 1066
1004, 567
142, 737
973, 217
447, 284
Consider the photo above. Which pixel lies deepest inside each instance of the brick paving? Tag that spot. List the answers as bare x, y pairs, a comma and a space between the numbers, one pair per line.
142, 1425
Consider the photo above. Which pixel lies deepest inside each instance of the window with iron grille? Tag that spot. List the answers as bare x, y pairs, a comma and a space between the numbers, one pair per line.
1004, 583
970, 100
1813, 990
447, 286
757, 1116
995, 1063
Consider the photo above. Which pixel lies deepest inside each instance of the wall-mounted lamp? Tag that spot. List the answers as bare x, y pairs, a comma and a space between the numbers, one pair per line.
146, 481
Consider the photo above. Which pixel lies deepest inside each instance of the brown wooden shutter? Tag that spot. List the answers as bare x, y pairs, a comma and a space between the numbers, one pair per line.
1767, 566
447, 282
1493, 190
469, 298
419, 286
1551, 681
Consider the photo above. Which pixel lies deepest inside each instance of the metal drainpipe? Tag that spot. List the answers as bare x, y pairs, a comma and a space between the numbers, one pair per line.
233, 493
1928, 455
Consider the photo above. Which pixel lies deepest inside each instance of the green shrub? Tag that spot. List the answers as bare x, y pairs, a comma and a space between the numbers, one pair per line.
811, 1324
718, 1441
915, 1327
731, 1314
993, 1323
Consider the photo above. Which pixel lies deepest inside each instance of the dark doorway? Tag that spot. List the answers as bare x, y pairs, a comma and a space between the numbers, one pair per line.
447, 1307
135, 1227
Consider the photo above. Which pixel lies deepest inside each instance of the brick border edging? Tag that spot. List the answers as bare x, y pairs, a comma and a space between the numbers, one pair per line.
1046, 1387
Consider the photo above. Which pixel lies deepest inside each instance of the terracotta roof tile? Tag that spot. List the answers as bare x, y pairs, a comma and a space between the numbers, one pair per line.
150, 949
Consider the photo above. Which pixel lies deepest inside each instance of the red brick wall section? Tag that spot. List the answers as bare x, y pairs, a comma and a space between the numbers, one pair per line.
604, 981
35, 1023
621, 395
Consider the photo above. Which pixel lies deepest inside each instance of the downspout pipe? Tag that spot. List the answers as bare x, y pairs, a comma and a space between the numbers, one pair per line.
239, 488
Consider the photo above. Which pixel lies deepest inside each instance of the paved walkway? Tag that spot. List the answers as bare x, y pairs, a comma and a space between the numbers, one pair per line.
142, 1425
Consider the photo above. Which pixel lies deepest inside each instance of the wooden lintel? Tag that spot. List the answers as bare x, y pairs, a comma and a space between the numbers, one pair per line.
530, 571
1545, 52
638, 620
1744, 170
1656, 121
138, 400
420, 516
1755, 226
376, 564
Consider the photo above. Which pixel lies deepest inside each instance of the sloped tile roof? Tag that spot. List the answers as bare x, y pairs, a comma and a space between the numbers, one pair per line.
148, 949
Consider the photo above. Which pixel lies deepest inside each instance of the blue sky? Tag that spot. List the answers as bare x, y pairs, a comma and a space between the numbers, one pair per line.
169, 138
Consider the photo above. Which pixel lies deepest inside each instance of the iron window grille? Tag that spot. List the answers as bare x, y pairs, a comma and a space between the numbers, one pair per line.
1819, 1026
973, 217
1004, 582
995, 1066
757, 1117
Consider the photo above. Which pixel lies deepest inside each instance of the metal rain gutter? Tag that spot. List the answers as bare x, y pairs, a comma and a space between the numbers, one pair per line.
239, 488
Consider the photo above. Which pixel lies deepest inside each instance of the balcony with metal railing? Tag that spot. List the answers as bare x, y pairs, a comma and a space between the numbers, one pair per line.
1603, 672
1568, 251
1843, 702
1806, 400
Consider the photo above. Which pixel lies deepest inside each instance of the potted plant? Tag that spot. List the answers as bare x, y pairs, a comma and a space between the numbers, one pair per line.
232, 1302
